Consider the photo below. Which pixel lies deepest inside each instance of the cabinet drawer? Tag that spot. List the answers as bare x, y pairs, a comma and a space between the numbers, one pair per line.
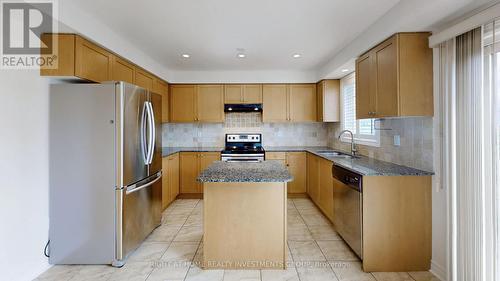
275, 155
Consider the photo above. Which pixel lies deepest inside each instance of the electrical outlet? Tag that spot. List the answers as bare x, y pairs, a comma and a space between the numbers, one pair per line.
397, 140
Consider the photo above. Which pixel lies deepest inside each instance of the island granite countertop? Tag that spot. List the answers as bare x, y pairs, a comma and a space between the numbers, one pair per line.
265, 171
362, 165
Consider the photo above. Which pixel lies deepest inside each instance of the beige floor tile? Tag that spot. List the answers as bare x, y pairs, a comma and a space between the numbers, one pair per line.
189, 234
198, 274
182, 211
198, 258
315, 219
298, 232
392, 276
180, 251
350, 271
290, 274
305, 251
303, 203
59, 273
310, 211
241, 275
194, 220
183, 203
292, 212
323, 232
170, 272
164, 233
295, 220
94, 273
423, 276
337, 251
149, 251
172, 219
132, 271
319, 273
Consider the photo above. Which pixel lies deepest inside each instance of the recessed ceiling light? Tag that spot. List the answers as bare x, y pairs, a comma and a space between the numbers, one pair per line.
345, 70
241, 56
186, 56
296, 56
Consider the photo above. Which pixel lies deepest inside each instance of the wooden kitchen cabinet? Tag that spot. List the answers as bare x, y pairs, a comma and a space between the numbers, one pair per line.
275, 103
296, 164
170, 179
144, 79
196, 103
122, 70
242, 94
210, 103
328, 100
395, 78
302, 103
325, 200
191, 165
161, 87
182, 103
91, 61
289, 103
313, 177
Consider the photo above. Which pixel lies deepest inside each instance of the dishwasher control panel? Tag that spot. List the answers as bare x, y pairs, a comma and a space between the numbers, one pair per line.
349, 178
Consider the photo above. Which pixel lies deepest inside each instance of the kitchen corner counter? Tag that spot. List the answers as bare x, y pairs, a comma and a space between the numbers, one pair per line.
266, 171
166, 151
362, 165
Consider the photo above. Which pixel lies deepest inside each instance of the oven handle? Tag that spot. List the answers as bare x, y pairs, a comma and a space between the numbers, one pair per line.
242, 155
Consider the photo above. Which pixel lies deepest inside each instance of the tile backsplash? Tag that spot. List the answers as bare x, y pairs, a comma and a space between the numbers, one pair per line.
273, 134
416, 142
415, 149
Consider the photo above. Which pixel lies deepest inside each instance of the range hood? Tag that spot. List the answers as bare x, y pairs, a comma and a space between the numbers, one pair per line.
256, 107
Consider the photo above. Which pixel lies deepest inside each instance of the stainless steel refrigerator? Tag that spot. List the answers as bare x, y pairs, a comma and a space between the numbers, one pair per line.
104, 171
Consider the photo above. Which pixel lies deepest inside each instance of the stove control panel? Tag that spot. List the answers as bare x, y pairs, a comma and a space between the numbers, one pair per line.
243, 138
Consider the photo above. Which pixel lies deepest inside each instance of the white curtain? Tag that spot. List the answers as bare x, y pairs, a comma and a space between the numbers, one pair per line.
469, 114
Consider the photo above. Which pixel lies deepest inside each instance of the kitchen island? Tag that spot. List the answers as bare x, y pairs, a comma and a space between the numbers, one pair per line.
245, 215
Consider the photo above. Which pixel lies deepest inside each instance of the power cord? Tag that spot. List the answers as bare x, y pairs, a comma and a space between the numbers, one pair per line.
46, 251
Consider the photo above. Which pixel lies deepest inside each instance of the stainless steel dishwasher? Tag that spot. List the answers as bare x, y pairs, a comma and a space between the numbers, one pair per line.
348, 202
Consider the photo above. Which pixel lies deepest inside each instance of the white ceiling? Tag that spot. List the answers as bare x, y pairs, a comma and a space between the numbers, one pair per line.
329, 34
212, 31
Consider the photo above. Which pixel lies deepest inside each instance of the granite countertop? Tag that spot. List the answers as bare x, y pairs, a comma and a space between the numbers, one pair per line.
266, 171
362, 165
166, 151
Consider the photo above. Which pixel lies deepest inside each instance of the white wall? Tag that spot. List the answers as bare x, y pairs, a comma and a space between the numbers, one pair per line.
23, 174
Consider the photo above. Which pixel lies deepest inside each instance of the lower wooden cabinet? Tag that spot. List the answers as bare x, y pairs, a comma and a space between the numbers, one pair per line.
313, 177
170, 180
191, 164
325, 200
296, 164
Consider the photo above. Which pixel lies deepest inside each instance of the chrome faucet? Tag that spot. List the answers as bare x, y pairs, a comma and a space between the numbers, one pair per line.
353, 145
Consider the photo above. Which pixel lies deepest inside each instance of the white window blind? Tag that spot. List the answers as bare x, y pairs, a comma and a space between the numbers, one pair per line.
364, 129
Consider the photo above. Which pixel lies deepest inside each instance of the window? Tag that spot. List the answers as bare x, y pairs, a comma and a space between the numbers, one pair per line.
363, 129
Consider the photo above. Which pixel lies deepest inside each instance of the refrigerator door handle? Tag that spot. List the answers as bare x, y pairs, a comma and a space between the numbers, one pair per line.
135, 187
144, 141
152, 131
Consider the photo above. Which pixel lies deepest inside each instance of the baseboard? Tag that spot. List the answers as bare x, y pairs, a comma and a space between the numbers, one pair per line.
297, 195
190, 196
438, 270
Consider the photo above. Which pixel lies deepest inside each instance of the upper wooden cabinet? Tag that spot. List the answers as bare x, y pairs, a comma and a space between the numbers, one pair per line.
395, 78
237, 93
289, 103
91, 61
122, 70
210, 103
78, 57
302, 102
144, 79
196, 103
328, 95
161, 87
182, 103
